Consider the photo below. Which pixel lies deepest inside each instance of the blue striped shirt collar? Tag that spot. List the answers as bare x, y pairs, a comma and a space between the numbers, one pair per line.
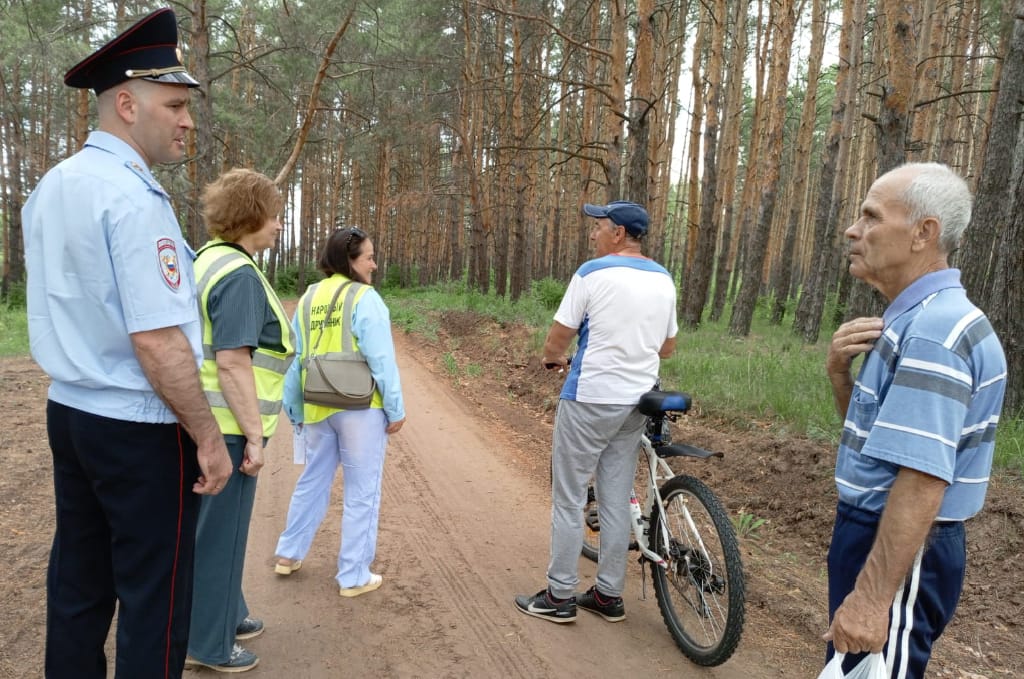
919, 290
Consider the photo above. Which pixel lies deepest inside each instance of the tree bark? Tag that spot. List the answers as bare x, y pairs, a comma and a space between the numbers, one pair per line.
994, 198
800, 174
784, 20
698, 272
898, 86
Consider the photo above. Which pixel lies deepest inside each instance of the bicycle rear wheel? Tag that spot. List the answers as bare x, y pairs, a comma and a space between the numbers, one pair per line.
701, 593
591, 527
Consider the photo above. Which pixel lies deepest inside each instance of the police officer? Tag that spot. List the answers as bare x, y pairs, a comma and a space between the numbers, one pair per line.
113, 321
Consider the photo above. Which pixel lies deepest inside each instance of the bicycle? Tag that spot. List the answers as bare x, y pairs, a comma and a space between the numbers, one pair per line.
684, 534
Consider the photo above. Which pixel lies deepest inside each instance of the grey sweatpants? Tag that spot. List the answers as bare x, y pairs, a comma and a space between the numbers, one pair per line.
600, 441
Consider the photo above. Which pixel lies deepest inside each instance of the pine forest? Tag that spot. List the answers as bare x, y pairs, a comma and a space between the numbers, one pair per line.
465, 136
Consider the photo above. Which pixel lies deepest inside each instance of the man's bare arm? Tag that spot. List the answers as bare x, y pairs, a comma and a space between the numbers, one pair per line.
557, 344
166, 359
667, 348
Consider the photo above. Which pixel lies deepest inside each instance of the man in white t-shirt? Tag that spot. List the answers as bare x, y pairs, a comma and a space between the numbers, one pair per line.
622, 306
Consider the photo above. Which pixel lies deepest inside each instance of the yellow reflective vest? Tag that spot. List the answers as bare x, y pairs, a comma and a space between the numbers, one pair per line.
312, 310
268, 366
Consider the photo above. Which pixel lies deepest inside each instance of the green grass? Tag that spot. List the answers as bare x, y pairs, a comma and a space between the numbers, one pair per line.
769, 380
1010, 444
13, 330
418, 310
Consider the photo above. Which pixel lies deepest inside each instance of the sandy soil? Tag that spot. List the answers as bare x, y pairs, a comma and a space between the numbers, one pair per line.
464, 527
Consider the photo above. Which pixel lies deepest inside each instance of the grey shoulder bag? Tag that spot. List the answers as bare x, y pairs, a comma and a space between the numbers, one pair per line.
337, 379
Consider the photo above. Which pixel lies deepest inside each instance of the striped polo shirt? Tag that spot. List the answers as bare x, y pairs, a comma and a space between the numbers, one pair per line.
928, 397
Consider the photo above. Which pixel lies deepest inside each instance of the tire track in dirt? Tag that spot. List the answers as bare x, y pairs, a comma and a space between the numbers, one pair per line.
463, 528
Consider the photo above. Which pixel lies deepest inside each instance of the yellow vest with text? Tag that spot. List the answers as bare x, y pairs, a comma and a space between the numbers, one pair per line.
268, 366
319, 297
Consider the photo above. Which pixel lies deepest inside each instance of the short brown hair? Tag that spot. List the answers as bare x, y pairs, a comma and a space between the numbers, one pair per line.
239, 202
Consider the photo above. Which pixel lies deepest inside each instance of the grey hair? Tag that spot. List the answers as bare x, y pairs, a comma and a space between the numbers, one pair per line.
937, 191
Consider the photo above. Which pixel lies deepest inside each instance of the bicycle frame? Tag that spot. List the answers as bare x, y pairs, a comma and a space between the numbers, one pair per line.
658, 472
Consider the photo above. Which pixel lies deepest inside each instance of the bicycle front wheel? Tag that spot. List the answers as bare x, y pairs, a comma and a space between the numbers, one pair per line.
701, 593
591, 527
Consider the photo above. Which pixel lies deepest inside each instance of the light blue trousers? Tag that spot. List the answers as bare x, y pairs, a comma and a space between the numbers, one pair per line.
221, 536
599, 441
354, 439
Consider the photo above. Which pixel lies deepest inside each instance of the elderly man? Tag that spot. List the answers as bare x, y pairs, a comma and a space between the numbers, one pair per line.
622, 306
113, 321
917, 444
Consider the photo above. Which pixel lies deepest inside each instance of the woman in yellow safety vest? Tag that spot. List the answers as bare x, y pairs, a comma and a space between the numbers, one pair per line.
353, 438
248, 345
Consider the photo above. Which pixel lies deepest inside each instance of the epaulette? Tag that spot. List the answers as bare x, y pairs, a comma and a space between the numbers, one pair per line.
146, 177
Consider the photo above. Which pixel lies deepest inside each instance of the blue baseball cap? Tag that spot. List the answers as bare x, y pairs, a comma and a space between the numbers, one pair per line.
622, 212
148, 50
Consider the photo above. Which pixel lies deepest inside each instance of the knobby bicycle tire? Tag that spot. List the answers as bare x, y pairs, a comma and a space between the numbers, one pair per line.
701, 594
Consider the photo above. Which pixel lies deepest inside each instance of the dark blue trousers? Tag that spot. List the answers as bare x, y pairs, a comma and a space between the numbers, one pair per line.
126, 518
925, 604
218, 605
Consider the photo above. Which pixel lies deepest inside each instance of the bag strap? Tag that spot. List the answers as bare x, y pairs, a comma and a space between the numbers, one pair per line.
346, 320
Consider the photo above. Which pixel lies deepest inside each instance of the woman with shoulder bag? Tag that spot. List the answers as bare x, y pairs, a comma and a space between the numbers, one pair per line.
248, 346
344, 306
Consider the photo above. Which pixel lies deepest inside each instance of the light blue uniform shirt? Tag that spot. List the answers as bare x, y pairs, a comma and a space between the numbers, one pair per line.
105, 259
928, 397
371, 325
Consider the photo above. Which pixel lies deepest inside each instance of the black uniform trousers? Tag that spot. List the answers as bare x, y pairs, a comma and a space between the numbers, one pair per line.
126, 519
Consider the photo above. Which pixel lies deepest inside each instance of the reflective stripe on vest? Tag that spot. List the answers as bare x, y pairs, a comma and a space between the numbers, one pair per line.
269, 366
312, 309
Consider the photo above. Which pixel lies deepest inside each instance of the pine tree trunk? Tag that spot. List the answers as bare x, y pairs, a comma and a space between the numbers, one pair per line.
784, 19
698, 276
800, 175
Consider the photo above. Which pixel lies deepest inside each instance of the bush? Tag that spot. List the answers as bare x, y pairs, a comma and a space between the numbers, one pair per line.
15, 296
287, 279
13, 329
548, 292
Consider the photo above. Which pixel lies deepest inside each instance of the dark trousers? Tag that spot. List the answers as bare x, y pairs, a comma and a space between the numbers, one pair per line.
126, 518
218, 605
923, 607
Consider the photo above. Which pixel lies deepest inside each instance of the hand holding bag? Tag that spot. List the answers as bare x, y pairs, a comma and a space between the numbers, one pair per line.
871, 667
338, 379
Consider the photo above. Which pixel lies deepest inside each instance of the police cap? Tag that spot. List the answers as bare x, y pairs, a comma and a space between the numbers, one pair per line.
147, 50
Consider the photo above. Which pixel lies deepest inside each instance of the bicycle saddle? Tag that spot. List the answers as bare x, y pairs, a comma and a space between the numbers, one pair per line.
658, 402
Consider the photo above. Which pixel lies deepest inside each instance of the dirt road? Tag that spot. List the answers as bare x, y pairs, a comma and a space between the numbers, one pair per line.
464, 527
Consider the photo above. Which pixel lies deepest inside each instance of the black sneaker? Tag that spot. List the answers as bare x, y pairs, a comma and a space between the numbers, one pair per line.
541, 605
610, 608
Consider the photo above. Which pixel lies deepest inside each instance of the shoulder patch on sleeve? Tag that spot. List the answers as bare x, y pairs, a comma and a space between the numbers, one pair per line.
167, 255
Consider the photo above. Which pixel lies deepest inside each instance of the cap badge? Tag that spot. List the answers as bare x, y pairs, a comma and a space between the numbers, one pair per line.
167, 253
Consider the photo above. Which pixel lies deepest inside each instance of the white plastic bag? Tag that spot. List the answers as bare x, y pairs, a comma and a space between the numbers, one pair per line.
871, 667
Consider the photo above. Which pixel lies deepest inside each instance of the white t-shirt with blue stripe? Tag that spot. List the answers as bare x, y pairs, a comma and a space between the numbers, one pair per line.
624, 309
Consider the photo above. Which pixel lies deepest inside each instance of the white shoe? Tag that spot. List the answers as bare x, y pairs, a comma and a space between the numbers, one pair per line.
374, 583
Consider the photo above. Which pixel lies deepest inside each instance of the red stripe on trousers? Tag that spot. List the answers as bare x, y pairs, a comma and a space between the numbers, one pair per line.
177, 550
